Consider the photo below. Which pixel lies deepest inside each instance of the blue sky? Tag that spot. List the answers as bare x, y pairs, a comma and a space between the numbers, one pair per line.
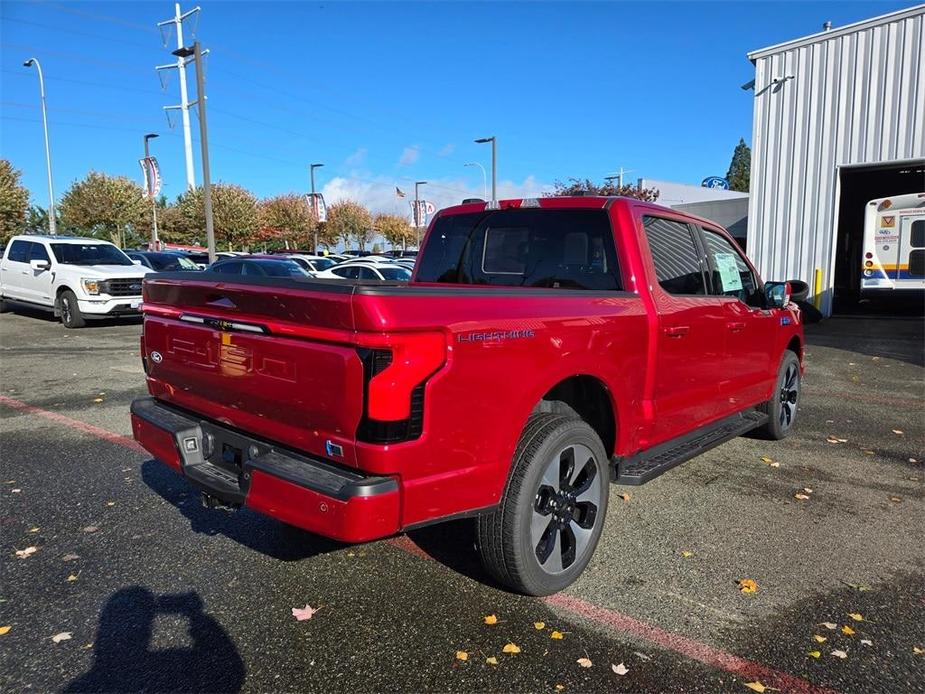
387, 93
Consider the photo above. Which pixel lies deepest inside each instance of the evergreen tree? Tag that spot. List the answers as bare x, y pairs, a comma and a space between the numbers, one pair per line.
740, 167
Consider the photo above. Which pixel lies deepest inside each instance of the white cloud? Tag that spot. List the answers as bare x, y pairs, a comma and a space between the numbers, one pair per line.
446, 150
410, 155
358, 158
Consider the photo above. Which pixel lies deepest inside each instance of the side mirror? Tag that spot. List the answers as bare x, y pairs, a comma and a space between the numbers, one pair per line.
799, 290
39, 265
777, 294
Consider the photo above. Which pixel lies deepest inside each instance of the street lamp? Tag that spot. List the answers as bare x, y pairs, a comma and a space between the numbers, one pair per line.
494, 164
151, 136
311, 173
52, 224
417, 212
195, 52
484, 177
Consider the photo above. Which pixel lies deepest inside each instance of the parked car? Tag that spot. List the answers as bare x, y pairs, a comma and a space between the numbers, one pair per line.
398, 253
312, 263
163, 261
545, 348
76, 278
258, 266
366, 271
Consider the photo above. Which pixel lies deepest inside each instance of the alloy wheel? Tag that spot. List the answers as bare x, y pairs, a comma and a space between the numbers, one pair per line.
789, 394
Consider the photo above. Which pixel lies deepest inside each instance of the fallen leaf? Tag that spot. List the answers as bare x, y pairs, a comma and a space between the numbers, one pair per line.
72, 577
801, 497
774, 464
867, 642
63, 636
917, 650
539, 625
913, 460
895, 499
856, 616
840, 654
766, 460
491, 660
807, 490
813, 654
898, 432
559, 687
747, 585
28, 551
97, 399
110, 503
462, 655
90, 529
33, 530
756, 686
511, 648
835, 439
5, 629
584, 662
490, 619
829, 625
868, 452
686, 553
620, 669
625, 496
847, 631
642, 656
15, 491
303, 613
69, 557
558, 635
820, 639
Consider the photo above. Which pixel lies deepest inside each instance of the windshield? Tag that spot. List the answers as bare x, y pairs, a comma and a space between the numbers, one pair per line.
89, 254
395, 273
321, 264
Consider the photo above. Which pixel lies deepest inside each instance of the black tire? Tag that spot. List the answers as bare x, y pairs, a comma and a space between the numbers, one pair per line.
566, 451
782, 407
4, 306
71, 317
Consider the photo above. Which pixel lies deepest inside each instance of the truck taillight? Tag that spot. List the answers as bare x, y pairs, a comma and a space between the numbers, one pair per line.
395, 369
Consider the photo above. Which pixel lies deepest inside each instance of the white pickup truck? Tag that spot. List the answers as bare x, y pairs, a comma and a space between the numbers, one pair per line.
74, 277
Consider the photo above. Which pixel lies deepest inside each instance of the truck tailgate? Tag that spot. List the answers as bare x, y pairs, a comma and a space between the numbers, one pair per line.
265, 358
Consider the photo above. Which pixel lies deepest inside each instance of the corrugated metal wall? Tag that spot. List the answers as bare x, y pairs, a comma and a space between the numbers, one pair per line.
855, 97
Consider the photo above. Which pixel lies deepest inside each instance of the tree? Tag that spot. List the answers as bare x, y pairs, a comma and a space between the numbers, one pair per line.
739, 173
577, 186
234, 214
395, 229
112, 207
348, 220
290, 217
172, 227
14, 201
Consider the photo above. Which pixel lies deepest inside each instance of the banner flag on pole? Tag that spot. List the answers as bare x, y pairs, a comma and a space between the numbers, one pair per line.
318, 206
152, 176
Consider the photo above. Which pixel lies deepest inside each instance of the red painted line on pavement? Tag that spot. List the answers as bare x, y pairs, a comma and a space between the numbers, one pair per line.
682, 645
118, 439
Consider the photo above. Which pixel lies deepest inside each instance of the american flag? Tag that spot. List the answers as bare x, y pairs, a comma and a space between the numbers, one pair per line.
398, 192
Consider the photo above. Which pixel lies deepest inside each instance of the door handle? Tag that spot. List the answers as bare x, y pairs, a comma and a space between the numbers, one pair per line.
677, 330
735, 326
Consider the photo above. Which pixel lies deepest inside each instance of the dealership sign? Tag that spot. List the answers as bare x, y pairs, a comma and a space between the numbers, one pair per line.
715, 182
319, 209
152, 175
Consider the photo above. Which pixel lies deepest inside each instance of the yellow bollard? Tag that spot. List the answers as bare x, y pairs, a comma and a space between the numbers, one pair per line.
817, 289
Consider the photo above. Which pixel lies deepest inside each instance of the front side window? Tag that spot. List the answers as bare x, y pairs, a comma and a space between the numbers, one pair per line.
89, 254
38, 252
675, 255
730, 274
526, 247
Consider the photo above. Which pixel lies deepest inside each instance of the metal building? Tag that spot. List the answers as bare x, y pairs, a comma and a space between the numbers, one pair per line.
839, 119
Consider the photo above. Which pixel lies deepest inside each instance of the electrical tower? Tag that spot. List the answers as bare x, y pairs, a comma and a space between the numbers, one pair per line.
180, 67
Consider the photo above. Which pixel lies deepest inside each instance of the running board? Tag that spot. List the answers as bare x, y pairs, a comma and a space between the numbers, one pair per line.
647, 465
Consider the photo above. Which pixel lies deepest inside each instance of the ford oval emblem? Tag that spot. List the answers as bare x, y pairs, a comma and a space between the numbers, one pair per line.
156, 357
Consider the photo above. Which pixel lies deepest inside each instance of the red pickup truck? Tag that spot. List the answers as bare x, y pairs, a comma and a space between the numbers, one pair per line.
543, 349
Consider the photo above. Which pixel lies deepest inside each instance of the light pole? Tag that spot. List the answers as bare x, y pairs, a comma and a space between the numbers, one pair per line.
151, 136
494, 164
484, 176
417, 212
311, 174
52, 224
196, 53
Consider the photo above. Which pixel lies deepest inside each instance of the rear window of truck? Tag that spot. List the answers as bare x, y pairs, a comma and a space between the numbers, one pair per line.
534, 247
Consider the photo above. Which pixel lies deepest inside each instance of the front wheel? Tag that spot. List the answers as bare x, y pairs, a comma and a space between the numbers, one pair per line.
544, 532
782, 407
71, 316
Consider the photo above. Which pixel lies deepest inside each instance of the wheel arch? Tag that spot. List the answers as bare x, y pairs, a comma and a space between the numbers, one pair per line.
587, 397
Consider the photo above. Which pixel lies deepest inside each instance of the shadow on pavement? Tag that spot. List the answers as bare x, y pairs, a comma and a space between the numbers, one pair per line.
880, 336
256, 532
49, 317
124, 660
453, 544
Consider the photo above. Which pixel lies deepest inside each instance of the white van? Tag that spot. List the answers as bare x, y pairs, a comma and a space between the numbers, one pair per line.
893, 255
74, 277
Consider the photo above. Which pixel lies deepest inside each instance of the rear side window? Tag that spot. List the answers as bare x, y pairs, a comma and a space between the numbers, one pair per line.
19, 251
567, 249
233, 268
675, 255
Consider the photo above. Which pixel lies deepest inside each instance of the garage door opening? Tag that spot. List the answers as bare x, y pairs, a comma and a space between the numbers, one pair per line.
858, 186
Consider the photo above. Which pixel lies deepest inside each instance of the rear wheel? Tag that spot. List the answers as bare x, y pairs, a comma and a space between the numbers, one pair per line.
70, 313
4, 305
548, 524
782, 407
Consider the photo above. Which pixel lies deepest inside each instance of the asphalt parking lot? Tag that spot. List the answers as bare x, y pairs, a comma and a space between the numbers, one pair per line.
158, 593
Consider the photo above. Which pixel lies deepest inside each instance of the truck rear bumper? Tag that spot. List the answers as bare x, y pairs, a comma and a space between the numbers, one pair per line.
240, 470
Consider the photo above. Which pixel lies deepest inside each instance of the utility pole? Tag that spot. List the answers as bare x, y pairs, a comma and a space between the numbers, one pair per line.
618, 176
177, 21
311, 174
52, 222
196, 53
417, 212
154, 247
494, 165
